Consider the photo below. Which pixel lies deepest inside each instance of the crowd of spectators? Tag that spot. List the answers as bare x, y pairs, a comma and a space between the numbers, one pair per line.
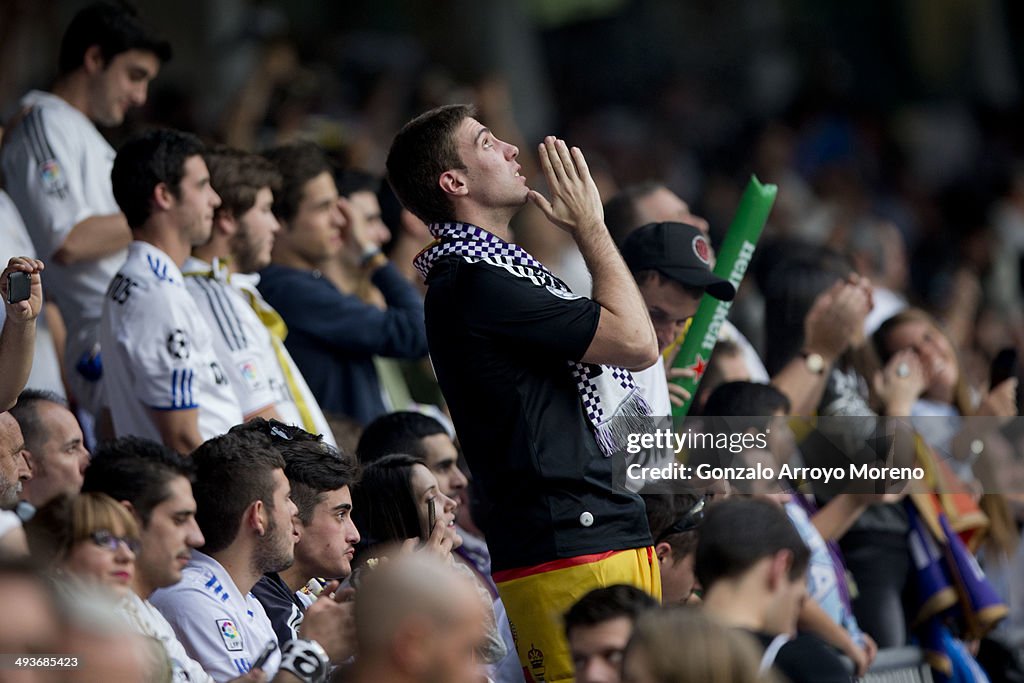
278, 408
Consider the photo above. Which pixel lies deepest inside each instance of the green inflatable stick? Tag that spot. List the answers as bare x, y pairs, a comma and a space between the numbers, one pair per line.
733, 259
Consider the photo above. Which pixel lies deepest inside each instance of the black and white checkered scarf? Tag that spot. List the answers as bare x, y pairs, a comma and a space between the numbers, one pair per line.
614, 405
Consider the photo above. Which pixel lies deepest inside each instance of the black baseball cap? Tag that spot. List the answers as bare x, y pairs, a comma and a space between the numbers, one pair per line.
678, 251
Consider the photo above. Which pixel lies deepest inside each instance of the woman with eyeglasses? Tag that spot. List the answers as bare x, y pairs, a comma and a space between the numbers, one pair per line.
90, 538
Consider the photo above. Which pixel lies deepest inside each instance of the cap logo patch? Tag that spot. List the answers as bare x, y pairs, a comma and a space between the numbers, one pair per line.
702, 250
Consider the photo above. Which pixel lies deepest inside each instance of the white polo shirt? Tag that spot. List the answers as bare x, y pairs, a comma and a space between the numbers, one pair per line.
244, 346
57, 167
220, 628
158, 350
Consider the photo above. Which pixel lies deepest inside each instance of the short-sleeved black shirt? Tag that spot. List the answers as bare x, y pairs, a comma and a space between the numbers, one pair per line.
500, 346
283, 607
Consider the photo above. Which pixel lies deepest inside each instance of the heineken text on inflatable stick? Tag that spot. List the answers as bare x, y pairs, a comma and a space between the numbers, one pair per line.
733, 259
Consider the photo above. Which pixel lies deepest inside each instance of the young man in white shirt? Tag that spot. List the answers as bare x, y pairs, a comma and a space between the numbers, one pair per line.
156, 485
221, 275
321, 479
57, 170
245, 513
163, 379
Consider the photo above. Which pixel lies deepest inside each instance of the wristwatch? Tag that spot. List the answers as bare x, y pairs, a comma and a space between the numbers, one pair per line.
814, 362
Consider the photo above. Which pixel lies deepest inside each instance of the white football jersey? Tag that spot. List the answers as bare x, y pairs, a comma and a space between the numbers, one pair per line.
148, 621
56, 167
158, 350
220, 628
244, 346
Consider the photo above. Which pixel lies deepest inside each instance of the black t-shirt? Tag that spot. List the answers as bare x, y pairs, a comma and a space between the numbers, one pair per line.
282, 606
807, 659
500, 346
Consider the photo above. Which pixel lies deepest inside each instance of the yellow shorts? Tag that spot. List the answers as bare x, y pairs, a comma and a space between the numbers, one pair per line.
536, 598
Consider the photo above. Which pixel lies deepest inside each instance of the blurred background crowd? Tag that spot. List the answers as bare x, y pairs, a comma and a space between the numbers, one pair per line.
891, 129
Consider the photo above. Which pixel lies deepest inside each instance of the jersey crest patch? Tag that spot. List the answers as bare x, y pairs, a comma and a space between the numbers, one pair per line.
561, 294
52, 177
251, 375
232, 638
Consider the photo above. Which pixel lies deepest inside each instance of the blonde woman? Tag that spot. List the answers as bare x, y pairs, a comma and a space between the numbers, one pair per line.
89, 537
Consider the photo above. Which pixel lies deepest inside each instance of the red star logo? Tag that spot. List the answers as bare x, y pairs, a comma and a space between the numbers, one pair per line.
698, 367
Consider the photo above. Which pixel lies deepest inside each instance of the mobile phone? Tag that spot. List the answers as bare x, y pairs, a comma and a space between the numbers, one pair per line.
1004, 366
265, 654
19, 286
431, 516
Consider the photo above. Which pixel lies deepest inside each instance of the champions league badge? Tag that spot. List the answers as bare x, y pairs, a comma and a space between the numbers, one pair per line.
178, 345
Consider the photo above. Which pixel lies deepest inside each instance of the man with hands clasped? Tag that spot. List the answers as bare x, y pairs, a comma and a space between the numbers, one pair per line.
519, 359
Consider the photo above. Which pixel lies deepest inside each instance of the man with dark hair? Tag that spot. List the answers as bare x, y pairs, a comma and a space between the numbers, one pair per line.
671, 263
826, 612
651, 202
674, 519
244, 511
598, 628
526, 368
747, 399
54, 444
57, 169
248, 334
155, 483
164, 381
752, 566
360, 189
417, 435
321, 479
335, 352
647, 202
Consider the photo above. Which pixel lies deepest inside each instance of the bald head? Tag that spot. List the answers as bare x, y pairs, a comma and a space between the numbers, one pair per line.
420, 616
644, 203
55, 446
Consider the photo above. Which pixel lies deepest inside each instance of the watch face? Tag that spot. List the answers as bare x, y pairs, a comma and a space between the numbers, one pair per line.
815, 363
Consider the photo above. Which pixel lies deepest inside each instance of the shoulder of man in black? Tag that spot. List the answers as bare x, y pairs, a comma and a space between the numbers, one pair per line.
282, 606
496, 303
